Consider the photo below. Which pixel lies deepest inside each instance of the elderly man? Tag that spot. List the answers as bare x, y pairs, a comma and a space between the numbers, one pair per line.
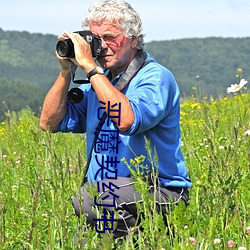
140, 98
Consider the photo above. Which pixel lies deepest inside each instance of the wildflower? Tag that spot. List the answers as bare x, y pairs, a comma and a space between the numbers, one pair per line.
45, 216
192, 240
240, 70
216, 241
237, 87
248, 230
195, 106
221, 147
230, 244
137, 159
14, 188
242, 248
132, 162
198, 182
247, 133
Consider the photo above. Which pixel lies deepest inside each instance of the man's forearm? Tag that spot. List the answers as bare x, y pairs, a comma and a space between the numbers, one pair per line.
55, 103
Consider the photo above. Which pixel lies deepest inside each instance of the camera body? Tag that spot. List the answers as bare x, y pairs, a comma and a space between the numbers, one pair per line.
65, 48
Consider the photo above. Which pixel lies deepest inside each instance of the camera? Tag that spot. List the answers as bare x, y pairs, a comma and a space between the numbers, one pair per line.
65, 48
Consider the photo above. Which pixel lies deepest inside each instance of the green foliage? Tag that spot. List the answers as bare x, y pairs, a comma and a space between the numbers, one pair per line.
40, 172
37, 181
28, 58
14, 95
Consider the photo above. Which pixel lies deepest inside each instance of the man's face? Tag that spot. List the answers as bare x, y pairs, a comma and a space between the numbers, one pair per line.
118, 50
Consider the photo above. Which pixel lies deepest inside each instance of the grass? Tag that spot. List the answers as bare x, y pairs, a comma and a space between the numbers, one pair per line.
40, 172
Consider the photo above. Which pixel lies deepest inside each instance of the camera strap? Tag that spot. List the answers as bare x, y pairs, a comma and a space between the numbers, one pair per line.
136, 64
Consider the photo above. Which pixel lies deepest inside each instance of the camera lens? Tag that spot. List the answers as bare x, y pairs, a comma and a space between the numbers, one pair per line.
75, 95
65, 48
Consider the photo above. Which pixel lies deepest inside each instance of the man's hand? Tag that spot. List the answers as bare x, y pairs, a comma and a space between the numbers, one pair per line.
83, 54
66, 63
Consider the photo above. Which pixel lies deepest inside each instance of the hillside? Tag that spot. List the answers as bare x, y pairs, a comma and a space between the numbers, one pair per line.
211, 63
28, 66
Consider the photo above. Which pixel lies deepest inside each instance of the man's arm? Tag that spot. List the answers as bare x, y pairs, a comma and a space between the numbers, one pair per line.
105, 91
55, 103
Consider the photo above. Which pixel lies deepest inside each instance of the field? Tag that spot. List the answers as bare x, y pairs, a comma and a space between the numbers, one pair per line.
40, 172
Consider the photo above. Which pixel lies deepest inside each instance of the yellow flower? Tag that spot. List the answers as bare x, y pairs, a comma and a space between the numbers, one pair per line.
195, 105
240, 70
132, 162
138, 160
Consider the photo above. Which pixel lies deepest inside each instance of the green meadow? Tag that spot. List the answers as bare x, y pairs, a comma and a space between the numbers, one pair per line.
40, 172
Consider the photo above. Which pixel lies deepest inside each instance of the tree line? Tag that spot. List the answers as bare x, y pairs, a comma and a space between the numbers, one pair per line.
202, 67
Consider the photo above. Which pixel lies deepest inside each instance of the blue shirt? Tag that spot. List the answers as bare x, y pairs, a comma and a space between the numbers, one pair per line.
154, 97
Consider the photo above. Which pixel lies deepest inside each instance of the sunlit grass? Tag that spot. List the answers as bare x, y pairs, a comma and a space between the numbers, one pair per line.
40, 172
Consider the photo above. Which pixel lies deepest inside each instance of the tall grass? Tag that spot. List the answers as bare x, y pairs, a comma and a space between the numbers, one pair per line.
40, 172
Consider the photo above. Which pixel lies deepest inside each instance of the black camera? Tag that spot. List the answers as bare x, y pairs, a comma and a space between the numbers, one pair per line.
65, 48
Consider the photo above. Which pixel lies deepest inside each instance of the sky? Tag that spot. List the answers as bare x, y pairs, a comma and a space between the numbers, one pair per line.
162, 19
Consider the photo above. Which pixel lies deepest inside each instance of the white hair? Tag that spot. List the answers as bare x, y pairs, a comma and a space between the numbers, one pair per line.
120, 13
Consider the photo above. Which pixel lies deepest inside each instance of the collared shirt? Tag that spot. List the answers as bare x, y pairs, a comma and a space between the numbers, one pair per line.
154, 97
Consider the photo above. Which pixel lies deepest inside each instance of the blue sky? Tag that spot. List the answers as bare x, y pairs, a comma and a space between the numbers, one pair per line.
162, 19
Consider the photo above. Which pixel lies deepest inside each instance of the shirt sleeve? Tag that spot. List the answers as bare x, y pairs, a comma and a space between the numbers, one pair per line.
152, 98
75, 117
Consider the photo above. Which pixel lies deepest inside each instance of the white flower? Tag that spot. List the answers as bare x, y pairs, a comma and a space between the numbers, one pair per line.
246, 133
217, 241
242, 248
237, 87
